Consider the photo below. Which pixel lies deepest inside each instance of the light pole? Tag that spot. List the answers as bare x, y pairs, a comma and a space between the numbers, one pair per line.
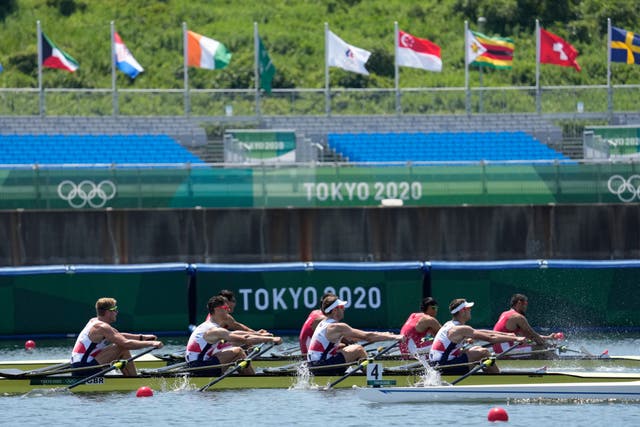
481, 21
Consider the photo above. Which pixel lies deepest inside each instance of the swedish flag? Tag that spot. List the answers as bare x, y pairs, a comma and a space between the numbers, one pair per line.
625, 46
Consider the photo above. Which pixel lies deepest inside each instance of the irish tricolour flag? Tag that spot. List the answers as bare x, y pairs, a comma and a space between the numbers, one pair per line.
53, 57
204, 52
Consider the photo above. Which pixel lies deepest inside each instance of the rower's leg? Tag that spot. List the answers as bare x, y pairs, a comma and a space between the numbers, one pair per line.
113, 352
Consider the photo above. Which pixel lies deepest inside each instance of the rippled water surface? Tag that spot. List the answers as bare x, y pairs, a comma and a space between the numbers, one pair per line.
302, 406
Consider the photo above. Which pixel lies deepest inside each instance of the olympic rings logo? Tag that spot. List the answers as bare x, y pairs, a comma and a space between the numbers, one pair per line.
626, 189
87, 192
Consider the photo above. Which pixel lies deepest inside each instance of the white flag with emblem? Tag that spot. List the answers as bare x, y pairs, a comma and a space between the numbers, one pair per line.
345, 56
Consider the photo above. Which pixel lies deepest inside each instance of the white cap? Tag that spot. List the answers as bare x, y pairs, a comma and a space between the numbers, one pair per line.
338, 302
462, 306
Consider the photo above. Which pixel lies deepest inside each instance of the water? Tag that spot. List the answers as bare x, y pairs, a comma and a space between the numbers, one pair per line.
302, 406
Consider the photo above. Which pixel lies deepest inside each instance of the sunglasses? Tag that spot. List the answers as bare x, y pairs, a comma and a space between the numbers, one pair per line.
225, 307
113, 308
435, 307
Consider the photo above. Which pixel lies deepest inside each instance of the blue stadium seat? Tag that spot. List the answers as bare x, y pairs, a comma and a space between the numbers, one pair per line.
441, 146
88, 149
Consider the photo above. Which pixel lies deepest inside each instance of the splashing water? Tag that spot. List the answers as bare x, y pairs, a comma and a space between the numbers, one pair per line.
303, 379
430, 377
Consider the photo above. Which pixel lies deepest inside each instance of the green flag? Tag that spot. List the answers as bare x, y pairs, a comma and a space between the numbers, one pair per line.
265, 67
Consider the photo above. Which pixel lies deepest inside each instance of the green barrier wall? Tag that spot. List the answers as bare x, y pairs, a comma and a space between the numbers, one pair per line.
344, 185
558, 298
283, 300
63, 303
280, 296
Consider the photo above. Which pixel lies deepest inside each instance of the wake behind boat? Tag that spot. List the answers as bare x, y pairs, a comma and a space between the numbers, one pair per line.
457, 393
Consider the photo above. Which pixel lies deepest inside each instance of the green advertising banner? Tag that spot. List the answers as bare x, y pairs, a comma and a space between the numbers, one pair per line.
559, 298
55, 301
265, 145
378, 299
612, 141
342, 185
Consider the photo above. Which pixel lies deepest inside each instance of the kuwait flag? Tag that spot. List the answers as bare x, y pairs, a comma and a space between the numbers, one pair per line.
418, 53
52, 57
203, 52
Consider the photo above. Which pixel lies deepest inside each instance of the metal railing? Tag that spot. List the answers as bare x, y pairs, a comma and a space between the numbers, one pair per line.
244, 102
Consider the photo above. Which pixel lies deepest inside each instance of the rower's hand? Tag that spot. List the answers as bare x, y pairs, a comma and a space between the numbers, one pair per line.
521, 340
156, 344
276, 340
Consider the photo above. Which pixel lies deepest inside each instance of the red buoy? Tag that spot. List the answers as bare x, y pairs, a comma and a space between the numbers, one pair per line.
497, 414
144, 391
30, 345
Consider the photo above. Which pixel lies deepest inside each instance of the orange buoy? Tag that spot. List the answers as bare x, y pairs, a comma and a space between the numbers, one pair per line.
30, 345
144, 391
497, 414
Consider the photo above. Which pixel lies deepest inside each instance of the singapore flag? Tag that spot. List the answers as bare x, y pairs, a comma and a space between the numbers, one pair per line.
418, 53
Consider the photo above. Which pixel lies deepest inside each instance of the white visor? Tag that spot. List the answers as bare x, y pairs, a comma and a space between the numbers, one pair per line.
462, 306
336, 303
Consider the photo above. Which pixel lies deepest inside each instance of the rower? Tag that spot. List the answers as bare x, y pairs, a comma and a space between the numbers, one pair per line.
231, 323
326, 348
313, 320
449, 344
514, 321
419, 329
100, 343
212, 345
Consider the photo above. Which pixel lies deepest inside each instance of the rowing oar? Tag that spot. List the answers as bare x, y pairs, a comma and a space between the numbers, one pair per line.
118, 364
242, 364
485, 363
362, 365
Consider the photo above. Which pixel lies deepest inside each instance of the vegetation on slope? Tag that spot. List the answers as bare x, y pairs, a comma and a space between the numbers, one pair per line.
292, 31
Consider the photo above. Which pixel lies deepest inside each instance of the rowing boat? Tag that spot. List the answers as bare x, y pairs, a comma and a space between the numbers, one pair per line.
168, 381
276, 362
457, 393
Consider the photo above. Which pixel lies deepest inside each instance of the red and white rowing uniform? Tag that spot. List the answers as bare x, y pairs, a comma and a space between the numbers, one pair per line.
85, 351
414, 342
443, 347
320, 347
307, 330
198, 349
501, 326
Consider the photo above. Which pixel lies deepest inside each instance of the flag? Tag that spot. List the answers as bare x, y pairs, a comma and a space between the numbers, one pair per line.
555, 50
52, 57
625, 46
418, 53
494, 52
266, 69
346, 56
124, 59
204, 52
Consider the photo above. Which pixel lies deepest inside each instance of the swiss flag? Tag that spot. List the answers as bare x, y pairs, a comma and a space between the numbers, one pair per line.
555, 50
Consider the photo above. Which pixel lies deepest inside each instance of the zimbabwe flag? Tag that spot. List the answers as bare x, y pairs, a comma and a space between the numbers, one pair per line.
496, 52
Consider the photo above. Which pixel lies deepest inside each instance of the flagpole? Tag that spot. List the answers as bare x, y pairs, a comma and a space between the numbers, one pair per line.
466, 68
185, 50
327, 95
114, 90
538, 102
40, 88
396, 68
256, 68
609, 87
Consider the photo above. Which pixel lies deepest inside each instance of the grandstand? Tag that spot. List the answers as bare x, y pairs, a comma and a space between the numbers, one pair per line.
440, 146
532, 131
92, 149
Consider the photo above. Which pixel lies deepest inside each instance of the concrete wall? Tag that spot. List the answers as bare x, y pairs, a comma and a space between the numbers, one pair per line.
284, 235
